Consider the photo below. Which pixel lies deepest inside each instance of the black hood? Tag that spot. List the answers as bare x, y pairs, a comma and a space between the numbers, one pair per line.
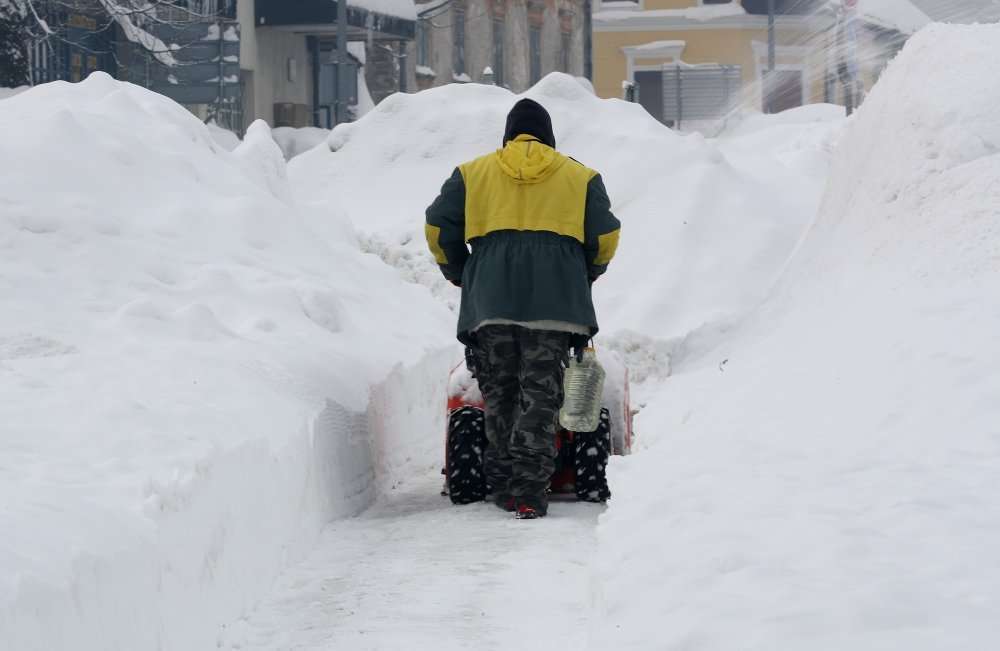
529, 117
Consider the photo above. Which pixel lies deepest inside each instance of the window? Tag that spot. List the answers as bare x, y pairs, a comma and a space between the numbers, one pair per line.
458, 40
678, 94
798, 7
535, 53
498, 35
423, 43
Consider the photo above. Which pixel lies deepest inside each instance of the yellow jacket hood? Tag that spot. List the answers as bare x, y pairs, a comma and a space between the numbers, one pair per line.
527, 160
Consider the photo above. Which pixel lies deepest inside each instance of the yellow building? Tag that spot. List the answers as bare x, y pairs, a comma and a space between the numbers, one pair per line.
691, 61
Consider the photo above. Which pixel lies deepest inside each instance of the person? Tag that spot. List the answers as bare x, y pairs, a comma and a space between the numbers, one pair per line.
541, 231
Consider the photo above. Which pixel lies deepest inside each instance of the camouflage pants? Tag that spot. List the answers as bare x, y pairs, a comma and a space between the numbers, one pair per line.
520, 373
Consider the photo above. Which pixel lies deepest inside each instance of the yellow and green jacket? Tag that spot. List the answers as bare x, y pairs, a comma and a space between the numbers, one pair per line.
540, 229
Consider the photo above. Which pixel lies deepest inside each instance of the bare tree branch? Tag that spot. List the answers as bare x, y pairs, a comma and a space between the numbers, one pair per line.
132, 16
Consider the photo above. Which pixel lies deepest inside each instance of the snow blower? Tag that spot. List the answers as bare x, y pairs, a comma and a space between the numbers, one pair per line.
581, 458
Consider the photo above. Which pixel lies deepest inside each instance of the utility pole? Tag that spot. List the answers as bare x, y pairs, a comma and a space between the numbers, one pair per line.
342, 72
588, 40
769, 78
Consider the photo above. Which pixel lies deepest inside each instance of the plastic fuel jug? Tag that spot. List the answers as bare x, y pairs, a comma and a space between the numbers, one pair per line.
583, 388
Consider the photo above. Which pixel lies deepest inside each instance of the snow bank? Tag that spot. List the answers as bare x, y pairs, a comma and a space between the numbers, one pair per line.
223, 137
297, 141
828, 475
185, 367
290, 140
707, 225
406, 416
7, 93
746, 122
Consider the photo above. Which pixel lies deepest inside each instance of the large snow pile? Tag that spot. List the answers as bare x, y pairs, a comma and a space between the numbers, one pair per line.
7, 93
707, 225
297, 141
185, 368
292, 141
828, 477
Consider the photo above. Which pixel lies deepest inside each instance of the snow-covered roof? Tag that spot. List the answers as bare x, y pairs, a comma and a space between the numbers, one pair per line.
398, 8
900, 15
960, 11
658, 45
357, 50
703, 12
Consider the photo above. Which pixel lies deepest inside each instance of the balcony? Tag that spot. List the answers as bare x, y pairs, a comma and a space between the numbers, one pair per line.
393, 21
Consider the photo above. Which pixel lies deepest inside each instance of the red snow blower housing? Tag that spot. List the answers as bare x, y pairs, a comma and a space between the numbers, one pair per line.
581, 458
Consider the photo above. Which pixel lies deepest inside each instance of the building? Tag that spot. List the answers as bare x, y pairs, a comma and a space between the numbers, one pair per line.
288, 54
961, 11
690, 62
232, 61
512, 43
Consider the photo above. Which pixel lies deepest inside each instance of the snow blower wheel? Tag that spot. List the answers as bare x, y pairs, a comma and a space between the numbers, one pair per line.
591, 451
466, 445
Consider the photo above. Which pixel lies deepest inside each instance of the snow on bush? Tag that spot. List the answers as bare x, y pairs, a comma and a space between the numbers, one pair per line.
828, 475
707, 225
185, 368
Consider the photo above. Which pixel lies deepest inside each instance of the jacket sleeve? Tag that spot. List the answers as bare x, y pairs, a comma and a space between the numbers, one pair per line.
445, 228
601, 229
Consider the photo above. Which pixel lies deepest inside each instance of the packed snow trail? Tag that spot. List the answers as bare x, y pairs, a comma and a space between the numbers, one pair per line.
417, 572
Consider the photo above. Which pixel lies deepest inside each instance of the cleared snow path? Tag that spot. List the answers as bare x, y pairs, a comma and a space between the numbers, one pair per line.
416, 572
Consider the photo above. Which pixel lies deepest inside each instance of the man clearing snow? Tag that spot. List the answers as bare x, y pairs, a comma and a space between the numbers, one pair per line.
541, 231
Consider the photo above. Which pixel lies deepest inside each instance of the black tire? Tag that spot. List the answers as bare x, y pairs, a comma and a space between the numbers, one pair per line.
466, 446
591, 451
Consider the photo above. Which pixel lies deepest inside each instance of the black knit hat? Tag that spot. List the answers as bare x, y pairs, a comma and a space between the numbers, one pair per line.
529, 117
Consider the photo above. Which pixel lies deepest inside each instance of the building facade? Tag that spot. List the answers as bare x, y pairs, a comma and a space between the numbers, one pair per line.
231, 61
690, 62
511, 43
289, 52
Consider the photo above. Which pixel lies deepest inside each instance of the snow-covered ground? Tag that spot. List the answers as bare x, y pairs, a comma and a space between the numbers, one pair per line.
204, 367
827, 476
417, 573
418, 570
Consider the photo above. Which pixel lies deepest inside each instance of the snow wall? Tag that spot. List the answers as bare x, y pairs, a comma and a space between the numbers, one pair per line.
828, 476
185, 368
